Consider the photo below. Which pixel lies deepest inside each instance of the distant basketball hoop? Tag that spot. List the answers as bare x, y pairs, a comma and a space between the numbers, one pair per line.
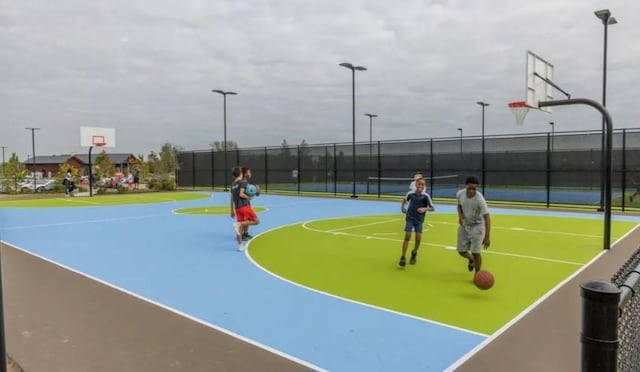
520, 110
98, 141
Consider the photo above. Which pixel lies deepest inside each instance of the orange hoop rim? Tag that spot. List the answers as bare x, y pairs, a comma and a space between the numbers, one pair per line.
518, 104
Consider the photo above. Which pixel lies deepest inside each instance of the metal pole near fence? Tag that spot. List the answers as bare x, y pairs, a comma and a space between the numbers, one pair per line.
599, 332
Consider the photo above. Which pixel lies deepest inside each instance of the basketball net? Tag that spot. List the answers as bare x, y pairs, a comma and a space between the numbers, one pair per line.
520, 110
98, 141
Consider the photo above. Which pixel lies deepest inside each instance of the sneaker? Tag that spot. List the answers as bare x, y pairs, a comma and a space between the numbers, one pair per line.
403, 261
414, 255
236, 227
470, 265
246, 236
242, 247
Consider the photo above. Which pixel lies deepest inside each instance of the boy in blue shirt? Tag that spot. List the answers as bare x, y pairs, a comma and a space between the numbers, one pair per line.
419, 203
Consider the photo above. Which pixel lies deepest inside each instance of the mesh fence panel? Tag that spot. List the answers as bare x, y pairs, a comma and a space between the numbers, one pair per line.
629, 321
564, 168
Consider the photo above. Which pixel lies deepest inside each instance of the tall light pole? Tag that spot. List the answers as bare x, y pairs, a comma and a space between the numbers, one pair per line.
552, 133
460, 130
224, 144
3, 147
371, 116
604, 15
483, 104
33, 159
353, 100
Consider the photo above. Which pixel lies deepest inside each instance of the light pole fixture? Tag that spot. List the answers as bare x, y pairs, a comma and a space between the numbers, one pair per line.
33, 159
552, 133
483, 104
224, 144
371, 116
460, 130
604, 15
353, 111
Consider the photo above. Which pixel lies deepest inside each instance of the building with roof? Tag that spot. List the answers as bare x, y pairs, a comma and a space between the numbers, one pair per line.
48, 166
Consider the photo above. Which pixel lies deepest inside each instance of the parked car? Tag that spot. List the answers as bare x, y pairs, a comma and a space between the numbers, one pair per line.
41, 185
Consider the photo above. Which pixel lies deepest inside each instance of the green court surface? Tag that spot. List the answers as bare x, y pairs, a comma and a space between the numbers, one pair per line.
105, 200
213, 209
357, 258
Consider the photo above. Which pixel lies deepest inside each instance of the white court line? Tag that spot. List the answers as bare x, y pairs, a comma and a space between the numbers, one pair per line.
77, 199
82, 222
185, 315
528, 230
174, 211
530, 308
366, 224
344, 298
304, 226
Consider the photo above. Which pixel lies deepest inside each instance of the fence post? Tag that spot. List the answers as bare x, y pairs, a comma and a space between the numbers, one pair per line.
379, 169
335, 170
193, 169
599, 331
298, 166
624, 166
266, 169
213, 169
431, 166
548, 168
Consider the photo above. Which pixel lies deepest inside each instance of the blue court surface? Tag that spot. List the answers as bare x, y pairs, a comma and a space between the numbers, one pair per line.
190, 263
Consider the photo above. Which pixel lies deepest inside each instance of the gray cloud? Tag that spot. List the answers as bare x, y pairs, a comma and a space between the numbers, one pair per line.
147, 68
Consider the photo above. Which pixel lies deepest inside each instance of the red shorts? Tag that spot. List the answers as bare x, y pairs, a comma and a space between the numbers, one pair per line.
246, 214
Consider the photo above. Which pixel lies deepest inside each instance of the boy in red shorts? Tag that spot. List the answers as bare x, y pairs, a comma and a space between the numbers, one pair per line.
245, 216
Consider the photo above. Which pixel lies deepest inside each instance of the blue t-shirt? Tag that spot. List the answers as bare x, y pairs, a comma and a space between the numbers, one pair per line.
417, 201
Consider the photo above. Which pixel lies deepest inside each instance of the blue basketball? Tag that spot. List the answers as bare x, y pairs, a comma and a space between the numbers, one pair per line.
251, 190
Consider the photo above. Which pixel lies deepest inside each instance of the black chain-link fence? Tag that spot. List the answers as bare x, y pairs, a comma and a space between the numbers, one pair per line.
629, 321
561, 169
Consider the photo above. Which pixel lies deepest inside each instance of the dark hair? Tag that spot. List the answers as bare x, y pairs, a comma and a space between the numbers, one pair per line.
245, 169
236, 171
471, 179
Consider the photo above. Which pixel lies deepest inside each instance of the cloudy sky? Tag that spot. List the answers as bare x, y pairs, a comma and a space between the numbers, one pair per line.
147, 68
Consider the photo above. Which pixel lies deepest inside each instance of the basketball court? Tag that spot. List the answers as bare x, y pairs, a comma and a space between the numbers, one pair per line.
181, 273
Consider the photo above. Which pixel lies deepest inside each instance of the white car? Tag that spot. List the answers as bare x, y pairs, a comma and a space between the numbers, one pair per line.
41, 185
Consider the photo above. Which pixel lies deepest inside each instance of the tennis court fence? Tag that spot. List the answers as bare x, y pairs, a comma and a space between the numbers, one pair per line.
563, 168
611, 321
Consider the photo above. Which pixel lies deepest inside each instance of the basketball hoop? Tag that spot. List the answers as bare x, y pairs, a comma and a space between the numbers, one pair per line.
520, 110
98, 141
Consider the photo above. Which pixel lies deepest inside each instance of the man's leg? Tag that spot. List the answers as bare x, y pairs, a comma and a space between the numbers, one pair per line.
414, 252
477, 261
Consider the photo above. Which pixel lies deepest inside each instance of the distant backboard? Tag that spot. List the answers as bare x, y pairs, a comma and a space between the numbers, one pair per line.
538, 90
97, 137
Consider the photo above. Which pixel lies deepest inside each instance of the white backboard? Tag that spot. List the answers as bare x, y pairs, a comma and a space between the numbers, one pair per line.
98, 137
537, 89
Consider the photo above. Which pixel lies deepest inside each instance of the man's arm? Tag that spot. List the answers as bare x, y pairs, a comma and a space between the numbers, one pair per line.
232, 205
487, 234
460, 215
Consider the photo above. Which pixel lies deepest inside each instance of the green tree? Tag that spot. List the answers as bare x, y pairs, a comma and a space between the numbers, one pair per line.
304, 149
104, 168
219, 146
153, 161
143, 167
285, 150
14, 174
169, 159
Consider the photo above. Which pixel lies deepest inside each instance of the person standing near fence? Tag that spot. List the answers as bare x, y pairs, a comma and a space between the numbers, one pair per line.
419, 204
474, 222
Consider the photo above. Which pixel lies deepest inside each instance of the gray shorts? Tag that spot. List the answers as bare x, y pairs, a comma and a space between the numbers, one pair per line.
470, 238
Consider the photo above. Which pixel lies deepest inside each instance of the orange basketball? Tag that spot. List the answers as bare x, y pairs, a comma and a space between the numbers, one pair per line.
483, 279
